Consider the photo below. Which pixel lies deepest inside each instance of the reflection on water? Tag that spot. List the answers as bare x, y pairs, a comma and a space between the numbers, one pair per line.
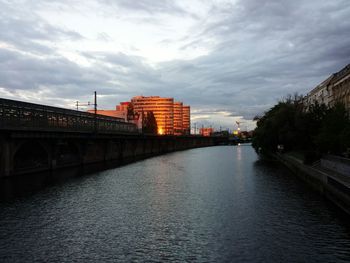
239, 153
217, 204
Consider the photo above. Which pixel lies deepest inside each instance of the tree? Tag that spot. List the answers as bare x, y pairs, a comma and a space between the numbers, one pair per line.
149, 123
335, 128
130, 112
277, 126
317, 130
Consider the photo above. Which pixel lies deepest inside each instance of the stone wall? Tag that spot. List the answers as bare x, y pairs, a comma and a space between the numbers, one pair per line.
336, 164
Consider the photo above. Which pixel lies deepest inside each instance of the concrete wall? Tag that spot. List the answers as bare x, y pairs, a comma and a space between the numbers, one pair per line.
29, 153
331, 187
336, 164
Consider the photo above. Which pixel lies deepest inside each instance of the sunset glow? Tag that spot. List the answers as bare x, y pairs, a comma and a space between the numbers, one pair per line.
160, 131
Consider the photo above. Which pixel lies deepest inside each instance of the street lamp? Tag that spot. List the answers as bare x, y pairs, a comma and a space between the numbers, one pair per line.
77, 104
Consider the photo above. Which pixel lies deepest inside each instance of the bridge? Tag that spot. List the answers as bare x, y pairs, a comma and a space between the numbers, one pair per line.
36, 138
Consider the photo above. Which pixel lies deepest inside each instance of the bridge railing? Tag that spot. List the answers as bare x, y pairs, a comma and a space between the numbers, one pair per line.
18, 115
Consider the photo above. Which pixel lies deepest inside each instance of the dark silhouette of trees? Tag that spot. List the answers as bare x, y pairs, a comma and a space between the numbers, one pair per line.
278, 126
149, 123
333, 135
130, 112
318, 129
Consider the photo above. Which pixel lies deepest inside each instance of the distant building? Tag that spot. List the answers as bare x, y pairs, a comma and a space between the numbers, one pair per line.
119, 112
173, 118
178, 118
340, 85
206, 131
122, 108
111, 113
162, 108
335, 89
186, 120
321, 94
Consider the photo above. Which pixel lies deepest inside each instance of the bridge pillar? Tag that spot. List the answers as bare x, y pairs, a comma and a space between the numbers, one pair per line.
53, 159
6, 158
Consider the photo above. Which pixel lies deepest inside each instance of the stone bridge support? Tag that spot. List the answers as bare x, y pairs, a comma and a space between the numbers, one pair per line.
31, 152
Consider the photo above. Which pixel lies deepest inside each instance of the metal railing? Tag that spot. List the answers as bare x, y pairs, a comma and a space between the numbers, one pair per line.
18, 115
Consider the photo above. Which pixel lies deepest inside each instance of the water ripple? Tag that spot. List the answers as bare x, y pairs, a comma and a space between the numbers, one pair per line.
218, 204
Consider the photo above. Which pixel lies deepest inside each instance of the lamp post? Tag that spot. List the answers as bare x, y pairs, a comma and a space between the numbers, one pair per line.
95, 110
142, 120
77, 104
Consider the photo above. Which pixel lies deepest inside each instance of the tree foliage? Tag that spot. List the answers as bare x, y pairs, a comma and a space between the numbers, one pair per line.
149, 123
130, 112
333, 135
319, 129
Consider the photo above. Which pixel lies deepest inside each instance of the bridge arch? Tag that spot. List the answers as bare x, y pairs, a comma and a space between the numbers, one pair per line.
67, 153
30, 155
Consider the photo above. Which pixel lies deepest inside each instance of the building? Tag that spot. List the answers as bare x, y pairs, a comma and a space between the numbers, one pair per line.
173, 118
335, 89
321, 94
206, 131
119, 112
186, 120
122, 108
162, 108
178, 123
111, 113
340, 85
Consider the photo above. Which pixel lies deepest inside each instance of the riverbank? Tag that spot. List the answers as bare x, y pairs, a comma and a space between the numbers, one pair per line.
334, 185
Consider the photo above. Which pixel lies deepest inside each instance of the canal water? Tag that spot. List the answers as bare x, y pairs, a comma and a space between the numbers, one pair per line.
216, 204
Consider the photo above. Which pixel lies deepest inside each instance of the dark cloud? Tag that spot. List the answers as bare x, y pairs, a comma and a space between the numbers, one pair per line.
26, 72
21, 28
265, 50
115, 76
257, 52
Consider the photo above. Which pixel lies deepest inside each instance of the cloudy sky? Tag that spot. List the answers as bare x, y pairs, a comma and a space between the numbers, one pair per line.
228, 59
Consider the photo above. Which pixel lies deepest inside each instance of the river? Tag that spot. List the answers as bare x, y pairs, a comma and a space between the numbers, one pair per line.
215, 204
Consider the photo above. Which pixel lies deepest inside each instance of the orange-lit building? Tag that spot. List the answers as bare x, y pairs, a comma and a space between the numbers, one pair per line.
186, 120
178, 123
173, 118
206, 131
119, 112
162, 108
123, 106
111, 113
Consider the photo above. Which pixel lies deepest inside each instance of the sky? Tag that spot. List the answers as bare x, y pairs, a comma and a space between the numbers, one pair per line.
230, 60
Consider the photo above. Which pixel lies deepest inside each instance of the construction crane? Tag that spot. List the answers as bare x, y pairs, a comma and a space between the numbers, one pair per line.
239, 125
